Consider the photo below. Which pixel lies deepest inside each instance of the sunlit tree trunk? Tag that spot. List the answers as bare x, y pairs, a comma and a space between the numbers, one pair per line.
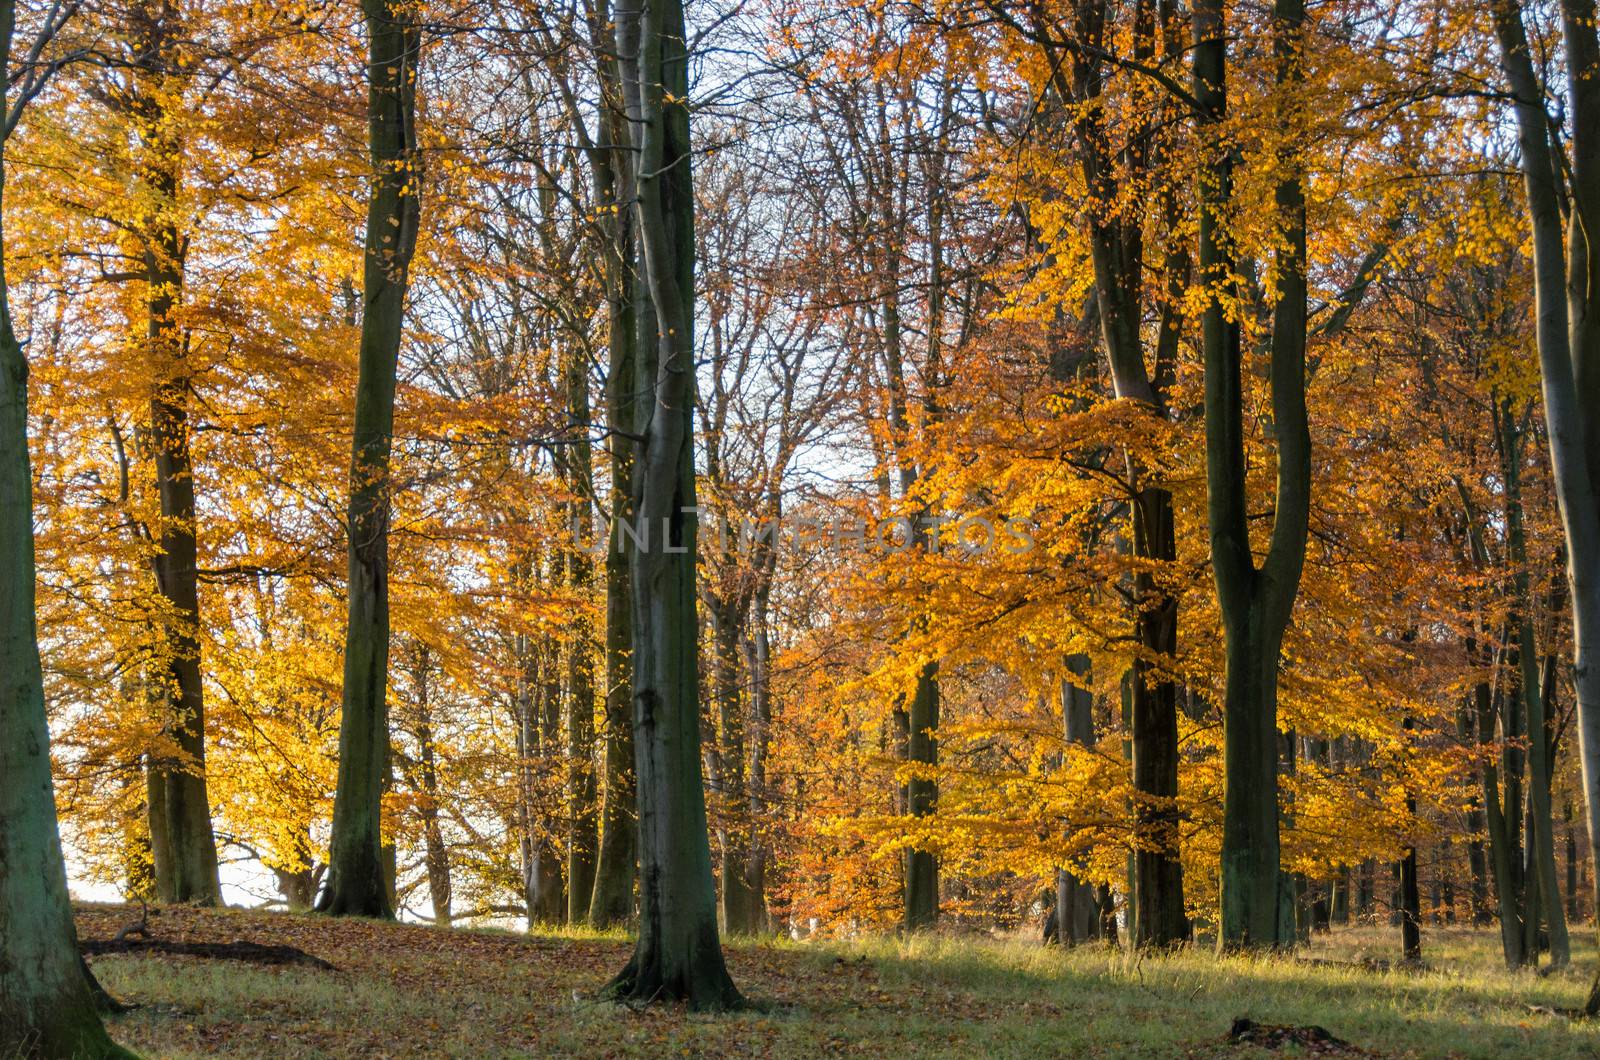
355, 876
678, 955
1255, 602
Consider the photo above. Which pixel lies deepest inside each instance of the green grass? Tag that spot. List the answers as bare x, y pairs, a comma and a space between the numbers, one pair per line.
414, 991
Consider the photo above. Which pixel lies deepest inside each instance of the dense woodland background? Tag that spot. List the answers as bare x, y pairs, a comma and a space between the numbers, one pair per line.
1248, 369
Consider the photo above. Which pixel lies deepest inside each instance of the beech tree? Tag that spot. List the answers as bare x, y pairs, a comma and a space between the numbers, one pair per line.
678, 955
356, 878
1255, 601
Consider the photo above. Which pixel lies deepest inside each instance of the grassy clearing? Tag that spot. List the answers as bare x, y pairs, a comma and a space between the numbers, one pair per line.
417, 991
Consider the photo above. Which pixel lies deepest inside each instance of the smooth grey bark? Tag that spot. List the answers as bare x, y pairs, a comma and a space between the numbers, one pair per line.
1567, 326
355, 866
678, 955
47, 1001
1256, 602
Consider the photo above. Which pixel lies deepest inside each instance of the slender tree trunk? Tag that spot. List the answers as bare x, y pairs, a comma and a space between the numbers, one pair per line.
582, 787
1477, 864
1408, 895
47, 1004
191, 852
1541, 837
355, 876
758, 652
612, 901
1116, 243
1572, 868
435, 854
678, 955
1077, 908
548, 896
1503, 855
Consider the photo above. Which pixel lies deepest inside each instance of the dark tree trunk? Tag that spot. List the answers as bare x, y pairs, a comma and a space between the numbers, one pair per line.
1255, 602
355, 876
740, 914
612, 900
758, 652
1116, 243
678, 955
190, 857
922, 792
1410, 907
1077, 907
582, 787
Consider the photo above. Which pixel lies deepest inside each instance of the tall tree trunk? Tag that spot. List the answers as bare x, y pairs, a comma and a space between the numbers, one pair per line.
1477, 864
612, 900
355, 874
191, 851
1567, 305
1255, 602
1160, 918
47, 1004
758, 654
678, 955
582, 788
1116, 245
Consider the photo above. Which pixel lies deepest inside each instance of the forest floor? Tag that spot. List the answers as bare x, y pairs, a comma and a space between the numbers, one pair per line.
405, 990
